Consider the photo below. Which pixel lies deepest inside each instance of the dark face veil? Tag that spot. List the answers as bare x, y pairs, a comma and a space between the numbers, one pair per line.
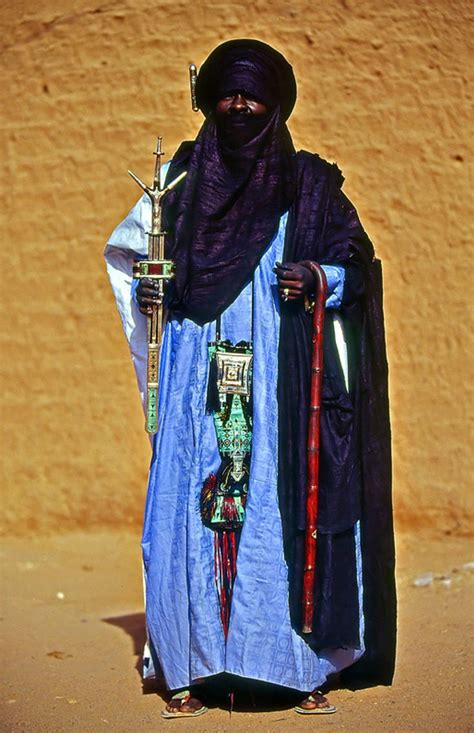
228, 209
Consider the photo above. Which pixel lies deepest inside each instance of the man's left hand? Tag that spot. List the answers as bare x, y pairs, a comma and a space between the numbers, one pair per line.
294, 280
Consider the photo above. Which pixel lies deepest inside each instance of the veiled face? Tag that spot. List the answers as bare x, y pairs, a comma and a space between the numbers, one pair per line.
240, 117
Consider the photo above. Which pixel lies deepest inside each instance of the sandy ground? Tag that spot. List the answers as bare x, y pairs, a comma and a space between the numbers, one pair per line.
73, 630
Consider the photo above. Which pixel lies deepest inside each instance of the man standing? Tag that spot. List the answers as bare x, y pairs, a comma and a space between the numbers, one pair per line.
223, 539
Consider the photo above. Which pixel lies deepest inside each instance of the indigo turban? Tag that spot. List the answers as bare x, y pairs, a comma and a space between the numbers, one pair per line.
248, 66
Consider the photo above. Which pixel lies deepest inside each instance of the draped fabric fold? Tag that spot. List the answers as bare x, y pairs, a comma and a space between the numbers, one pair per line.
222, 217
355, 428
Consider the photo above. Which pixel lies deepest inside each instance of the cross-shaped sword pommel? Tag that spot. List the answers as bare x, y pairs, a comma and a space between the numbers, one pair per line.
152, 192
157, 192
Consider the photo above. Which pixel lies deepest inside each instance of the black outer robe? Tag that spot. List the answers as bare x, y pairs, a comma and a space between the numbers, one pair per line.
324, 227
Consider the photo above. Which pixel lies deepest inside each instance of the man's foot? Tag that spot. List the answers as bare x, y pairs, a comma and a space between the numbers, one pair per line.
315, 704
183, 705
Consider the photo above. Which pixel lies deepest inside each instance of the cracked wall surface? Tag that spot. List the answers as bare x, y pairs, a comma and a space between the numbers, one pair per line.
86, 87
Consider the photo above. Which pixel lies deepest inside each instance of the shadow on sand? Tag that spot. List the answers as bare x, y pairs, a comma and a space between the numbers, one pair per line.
134, 625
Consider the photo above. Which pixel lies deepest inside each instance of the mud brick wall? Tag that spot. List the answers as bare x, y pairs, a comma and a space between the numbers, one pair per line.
86, 87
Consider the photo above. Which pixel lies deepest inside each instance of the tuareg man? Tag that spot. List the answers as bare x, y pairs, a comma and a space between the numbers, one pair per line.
224, 530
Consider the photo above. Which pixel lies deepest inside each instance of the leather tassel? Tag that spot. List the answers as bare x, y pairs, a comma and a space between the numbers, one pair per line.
213, 403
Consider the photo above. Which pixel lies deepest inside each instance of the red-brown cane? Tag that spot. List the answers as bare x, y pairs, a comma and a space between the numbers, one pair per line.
314, 423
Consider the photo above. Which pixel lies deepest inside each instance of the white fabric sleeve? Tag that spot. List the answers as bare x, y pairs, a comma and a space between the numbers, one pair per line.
126, 242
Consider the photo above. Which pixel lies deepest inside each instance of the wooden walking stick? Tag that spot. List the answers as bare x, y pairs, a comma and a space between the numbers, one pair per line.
155, 268
312, 453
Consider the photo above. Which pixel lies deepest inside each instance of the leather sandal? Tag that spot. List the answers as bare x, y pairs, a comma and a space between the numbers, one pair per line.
315, 697
180, 700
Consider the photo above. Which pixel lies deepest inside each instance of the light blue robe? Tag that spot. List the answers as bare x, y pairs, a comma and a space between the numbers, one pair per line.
182, 608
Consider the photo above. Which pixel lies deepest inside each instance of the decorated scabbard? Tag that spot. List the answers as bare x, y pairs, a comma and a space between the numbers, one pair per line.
155, 267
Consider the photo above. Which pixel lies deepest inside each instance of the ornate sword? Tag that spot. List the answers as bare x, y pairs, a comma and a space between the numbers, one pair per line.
156, 267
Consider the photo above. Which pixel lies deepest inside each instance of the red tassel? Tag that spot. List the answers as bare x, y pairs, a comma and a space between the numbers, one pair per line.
225, 571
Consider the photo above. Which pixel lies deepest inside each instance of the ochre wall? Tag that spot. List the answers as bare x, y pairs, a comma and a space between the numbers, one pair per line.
86, 87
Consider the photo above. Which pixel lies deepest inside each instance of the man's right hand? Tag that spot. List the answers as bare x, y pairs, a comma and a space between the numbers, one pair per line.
147, 294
